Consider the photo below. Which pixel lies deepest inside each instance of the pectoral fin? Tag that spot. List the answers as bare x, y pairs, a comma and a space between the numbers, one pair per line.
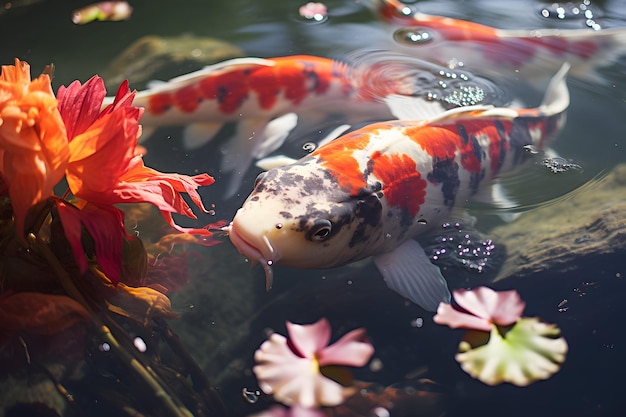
198, 134
255, 138
408, 271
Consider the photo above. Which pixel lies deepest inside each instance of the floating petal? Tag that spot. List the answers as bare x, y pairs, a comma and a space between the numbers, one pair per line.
294, 380
309, 339
482, 308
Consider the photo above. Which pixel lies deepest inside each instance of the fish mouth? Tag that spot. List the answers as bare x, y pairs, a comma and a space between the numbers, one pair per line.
253, 253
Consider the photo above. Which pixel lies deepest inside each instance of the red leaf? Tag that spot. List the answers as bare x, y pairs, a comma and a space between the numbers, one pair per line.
38, 313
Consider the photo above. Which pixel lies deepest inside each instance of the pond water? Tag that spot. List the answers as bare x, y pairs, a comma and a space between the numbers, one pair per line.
226, 312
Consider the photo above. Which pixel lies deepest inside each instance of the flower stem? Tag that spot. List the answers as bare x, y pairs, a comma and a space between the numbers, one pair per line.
144, 372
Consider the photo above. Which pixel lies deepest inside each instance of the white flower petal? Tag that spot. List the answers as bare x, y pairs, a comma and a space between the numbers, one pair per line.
293, 380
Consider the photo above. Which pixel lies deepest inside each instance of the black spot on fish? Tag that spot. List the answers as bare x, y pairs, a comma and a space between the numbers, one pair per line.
477, 151
286, 215
222, 92
462, 133
369, 210
503, 142
446, 173
475, 179
255, 198
313, 77
520, 137
368, 213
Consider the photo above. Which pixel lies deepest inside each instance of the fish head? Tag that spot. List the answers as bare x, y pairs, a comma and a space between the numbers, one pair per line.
298, 216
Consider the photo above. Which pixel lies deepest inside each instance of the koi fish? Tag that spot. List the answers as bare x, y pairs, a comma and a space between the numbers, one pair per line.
371, 191
265, 97
480, 47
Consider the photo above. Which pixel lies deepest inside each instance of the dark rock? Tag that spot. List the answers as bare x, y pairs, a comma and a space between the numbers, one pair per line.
588, 223
154, 57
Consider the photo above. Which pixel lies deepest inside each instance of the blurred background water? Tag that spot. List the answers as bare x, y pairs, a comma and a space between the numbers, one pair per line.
225, 309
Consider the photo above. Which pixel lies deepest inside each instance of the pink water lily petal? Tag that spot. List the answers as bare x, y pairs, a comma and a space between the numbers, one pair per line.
509, 308
294, 380
502, 308
309, 339
352, 349
295, 411
450, 316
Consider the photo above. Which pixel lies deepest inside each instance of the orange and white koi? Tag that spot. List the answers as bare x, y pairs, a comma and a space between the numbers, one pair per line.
531, 53
371, 191
265, 97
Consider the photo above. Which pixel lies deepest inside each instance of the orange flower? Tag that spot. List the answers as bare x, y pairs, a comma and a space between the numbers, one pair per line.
103, 167
104, 170
33, 143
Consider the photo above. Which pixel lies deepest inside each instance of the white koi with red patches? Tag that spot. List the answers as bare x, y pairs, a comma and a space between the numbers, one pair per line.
369, 192
266, 98
531, 53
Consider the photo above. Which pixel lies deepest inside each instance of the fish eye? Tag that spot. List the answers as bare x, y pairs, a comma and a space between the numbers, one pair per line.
321, 230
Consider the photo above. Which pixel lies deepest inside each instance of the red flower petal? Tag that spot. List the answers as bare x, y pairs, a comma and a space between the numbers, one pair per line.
105, 224
80, 105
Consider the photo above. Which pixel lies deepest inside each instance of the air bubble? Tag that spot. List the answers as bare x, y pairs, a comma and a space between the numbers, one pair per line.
309, 146
559, 165
418, 322
314, 12
380, 412
250, 396
140, 345
412, 36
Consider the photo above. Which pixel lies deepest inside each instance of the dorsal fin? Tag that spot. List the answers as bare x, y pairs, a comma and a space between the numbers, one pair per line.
236, 62
218, 68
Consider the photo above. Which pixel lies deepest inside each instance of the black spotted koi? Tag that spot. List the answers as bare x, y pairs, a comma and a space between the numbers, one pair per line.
371, 191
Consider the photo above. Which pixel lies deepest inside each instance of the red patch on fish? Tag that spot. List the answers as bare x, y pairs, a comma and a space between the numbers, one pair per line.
229, 89
159, 103
295, 77
338, 158
187, 99
438, 142
445, 142
403, 185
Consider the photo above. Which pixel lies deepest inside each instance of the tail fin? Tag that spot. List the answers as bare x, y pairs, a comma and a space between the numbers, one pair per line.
377, 74
556, 99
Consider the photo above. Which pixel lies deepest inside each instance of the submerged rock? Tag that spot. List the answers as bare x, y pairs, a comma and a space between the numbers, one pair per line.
162, 58
589, 223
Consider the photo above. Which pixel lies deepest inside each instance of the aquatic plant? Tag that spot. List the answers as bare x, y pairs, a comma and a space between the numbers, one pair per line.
68, 268
502, 346
297, 371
